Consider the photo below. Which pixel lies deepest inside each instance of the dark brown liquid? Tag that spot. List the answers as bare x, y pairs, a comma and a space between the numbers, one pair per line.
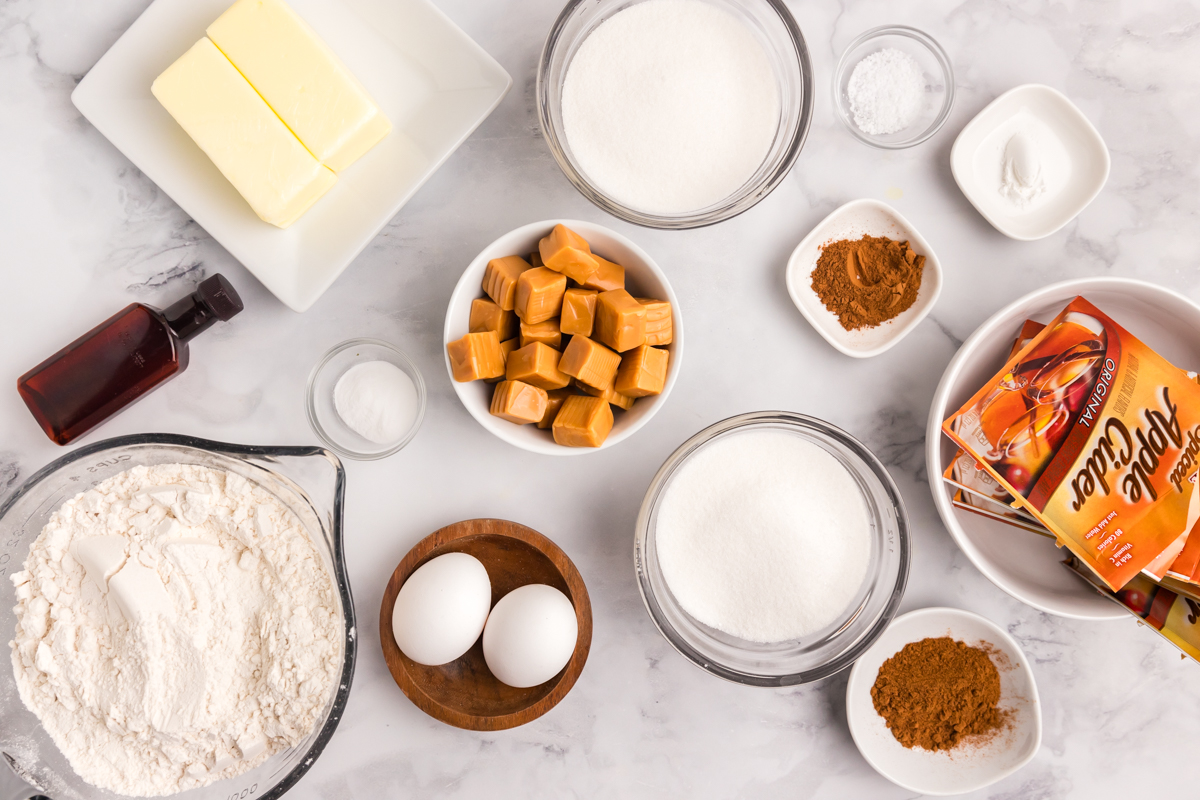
102, 371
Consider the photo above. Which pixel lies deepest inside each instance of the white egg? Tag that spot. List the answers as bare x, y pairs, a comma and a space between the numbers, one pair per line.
441, 609
530, 635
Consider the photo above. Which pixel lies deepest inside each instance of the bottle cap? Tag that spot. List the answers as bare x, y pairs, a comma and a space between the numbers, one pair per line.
214, 299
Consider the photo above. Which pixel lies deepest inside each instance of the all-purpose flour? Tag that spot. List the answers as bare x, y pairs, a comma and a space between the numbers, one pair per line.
175, 626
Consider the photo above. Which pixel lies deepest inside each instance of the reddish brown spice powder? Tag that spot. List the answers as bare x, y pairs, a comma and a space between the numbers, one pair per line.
936, 692
865, 282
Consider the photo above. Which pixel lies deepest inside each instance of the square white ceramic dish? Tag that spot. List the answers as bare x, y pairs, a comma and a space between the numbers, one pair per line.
434, 83
854, 220
1071, 147
971, 766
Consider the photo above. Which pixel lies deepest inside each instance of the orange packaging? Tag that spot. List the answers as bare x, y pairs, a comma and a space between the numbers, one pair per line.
1098, 437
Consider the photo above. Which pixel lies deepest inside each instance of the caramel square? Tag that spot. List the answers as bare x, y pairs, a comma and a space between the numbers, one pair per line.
500, 279
519, 402
643, 372
578, 312
538, 365
608, 277
609, 393
620, 320
659, 327
475, 356
545, 332
486, 315
589, 362
567, 252
539, 295
582, 422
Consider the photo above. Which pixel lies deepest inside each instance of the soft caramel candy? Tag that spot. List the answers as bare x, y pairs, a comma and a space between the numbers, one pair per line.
659, 330
506, 349
582, 422
643, 372
475, 356
608, 277
553, 404
538, 365
535, 258
486, 315
519, 402
565, 251
620, 320
578, 312
500, 279
609, 393
545, 332
589, 362
539, 295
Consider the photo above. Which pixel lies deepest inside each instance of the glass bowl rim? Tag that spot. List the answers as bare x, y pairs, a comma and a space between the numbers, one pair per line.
939, 54
341, 578
310, 403
742, 200
869, 462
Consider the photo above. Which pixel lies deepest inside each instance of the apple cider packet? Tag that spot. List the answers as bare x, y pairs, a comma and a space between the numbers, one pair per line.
1098, 437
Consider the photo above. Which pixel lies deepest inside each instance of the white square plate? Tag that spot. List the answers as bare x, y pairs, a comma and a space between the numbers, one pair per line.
1072, 150
433, 82
854, 220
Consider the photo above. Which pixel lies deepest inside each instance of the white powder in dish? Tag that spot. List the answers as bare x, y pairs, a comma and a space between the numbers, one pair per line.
377, 400
670, 106
763, 535
175, 626
887, 92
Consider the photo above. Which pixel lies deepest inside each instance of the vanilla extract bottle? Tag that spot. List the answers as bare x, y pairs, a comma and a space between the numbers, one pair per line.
123, 358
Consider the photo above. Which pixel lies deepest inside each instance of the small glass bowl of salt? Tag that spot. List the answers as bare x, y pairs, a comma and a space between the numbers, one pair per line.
893, 87
365, 399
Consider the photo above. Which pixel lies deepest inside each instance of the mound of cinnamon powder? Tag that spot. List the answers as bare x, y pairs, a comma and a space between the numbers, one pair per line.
865, 282
936, 692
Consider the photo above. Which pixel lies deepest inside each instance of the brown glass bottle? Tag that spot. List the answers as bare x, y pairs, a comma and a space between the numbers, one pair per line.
134, 351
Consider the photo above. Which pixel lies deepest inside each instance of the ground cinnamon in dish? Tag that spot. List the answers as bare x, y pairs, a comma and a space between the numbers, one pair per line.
936, 692
867, 281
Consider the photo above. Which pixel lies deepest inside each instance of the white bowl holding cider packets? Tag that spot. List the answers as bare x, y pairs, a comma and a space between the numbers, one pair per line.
1026, 565
513, 321
430, 82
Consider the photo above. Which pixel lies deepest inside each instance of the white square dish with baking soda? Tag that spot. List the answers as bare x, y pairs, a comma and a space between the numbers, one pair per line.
432, 84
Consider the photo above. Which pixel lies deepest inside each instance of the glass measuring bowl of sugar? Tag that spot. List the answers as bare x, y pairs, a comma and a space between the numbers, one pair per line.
309, 481
825, 651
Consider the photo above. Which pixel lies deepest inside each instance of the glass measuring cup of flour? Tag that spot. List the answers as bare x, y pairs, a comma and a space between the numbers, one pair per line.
309, 481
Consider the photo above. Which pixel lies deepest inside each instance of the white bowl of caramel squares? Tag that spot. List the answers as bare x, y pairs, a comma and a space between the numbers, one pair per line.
563, 337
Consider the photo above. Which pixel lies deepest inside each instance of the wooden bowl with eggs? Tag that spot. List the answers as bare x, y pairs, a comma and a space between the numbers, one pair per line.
464, 692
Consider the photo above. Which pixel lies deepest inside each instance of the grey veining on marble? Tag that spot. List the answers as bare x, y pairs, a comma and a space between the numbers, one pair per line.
82, 233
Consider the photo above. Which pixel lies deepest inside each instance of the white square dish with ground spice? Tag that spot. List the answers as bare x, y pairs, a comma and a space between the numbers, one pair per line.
854, 220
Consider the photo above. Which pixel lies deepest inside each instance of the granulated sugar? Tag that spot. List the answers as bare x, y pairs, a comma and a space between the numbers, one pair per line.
763, 535
887, 92
670, 106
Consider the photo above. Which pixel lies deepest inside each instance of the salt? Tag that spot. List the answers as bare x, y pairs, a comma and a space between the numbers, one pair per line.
763, 535
887, 92
670, 106
376, 400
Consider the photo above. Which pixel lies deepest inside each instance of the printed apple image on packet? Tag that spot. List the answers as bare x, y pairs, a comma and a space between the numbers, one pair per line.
1097, 436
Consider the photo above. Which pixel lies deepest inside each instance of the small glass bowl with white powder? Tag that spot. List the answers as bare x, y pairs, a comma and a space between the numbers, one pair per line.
675, 113
893, 87
365, 399
772, 549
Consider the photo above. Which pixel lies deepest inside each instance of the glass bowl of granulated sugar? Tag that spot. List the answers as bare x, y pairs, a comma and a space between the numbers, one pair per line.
292, 535
772, 549
675, 113
893, 87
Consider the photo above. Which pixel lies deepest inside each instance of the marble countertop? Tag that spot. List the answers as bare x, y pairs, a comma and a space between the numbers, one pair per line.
83, 233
